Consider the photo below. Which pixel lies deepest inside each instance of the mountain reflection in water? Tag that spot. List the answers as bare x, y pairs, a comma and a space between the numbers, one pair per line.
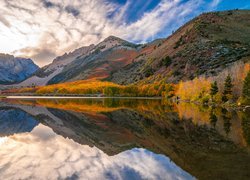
121, 139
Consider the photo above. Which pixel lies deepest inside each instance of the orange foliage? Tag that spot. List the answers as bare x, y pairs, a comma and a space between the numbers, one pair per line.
198, 114
77, 87
200, 87
87, 105
95, 87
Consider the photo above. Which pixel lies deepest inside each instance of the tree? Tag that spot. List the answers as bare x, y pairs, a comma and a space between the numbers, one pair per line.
214, 89
227, 89
246, 88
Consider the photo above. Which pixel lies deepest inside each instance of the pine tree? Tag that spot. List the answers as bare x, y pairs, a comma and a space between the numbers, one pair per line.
227, 89
214, 89
246, 88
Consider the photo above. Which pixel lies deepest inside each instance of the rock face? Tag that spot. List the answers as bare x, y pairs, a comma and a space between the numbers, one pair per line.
14, 69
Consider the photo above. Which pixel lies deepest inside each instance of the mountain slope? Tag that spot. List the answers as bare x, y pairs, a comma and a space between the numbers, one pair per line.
204, 46
15, 69
94, 61
111, 54
43, 75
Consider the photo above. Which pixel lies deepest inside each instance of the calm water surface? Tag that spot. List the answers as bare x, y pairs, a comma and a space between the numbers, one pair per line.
121, 139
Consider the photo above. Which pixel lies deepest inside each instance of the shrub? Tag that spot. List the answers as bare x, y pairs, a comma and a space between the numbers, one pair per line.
179, 42
149, 72
166, 61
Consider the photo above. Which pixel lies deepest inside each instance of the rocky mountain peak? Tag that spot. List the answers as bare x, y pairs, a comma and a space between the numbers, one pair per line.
15, 69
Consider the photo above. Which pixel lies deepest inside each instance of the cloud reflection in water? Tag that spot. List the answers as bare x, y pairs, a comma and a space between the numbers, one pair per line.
42, 154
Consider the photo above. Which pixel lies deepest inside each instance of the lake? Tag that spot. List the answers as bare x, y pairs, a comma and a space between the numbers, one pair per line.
121, 138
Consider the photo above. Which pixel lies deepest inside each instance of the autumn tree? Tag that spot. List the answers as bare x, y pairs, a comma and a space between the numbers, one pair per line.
246, 88
227, 89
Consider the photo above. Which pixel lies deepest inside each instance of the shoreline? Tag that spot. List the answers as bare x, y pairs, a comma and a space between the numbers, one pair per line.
77, 97
226, 105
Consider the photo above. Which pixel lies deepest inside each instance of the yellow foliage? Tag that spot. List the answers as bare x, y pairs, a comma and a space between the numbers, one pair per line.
95, 87
191, 90
199, 88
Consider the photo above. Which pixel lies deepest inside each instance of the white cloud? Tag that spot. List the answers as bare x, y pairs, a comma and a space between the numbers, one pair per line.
42, 154
215, 3
55, 27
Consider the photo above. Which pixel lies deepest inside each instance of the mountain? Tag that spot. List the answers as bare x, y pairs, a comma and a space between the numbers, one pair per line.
94, 61
105, 58
15, 69
204, 46
45, 74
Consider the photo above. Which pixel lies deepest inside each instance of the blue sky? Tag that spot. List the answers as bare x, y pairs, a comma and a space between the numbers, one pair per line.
138, 8
44, 29
233, 4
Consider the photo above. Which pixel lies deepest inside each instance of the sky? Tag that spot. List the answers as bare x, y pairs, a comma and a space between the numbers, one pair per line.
44, 29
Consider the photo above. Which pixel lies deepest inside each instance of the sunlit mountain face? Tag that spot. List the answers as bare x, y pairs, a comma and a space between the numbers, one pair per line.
121, 139
30, 28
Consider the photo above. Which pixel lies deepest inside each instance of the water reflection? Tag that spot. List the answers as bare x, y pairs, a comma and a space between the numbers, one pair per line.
213, 118
42, 154
15, 121
123, 138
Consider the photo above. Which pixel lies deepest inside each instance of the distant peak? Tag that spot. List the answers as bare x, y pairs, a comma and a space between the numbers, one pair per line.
113, 38
12, 57
2, 55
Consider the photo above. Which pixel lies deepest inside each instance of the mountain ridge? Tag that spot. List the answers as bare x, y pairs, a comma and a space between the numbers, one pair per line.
203, 46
